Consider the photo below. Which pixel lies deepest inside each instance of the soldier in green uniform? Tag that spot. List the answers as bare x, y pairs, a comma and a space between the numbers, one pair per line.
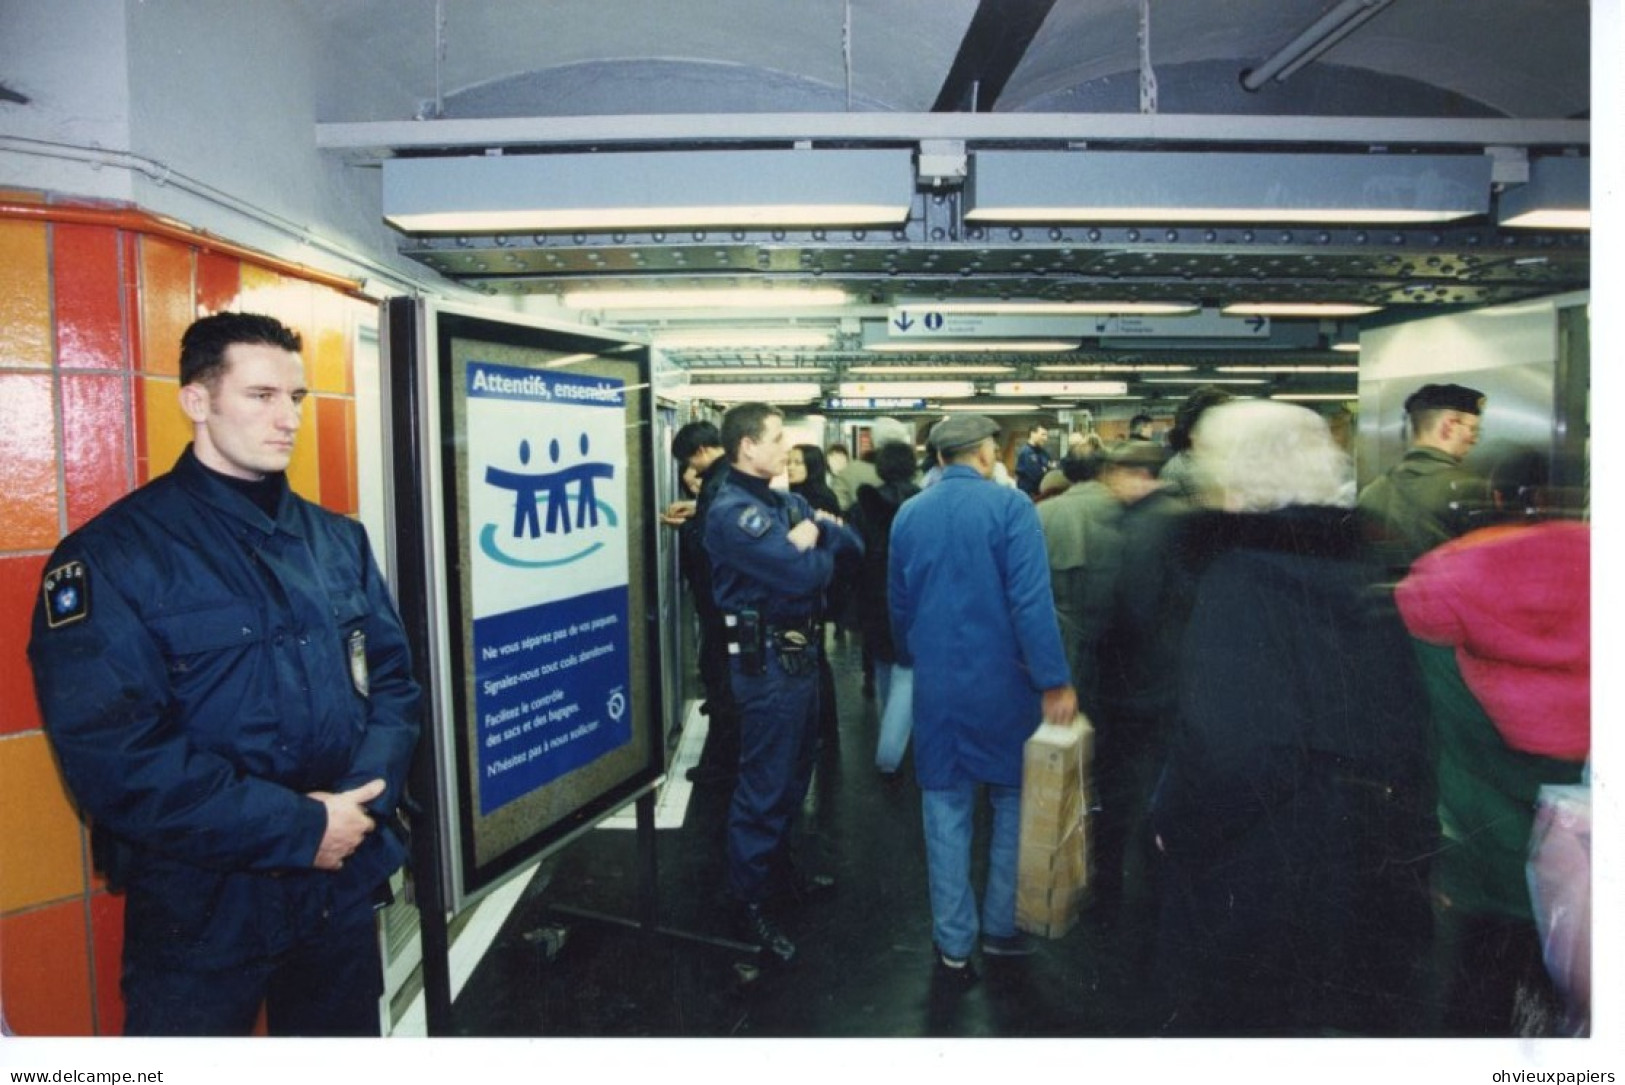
1428, 497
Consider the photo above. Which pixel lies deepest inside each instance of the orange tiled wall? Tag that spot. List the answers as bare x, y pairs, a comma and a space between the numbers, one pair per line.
90, 322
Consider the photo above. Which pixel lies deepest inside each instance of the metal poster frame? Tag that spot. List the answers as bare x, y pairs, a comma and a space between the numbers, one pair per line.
524, 475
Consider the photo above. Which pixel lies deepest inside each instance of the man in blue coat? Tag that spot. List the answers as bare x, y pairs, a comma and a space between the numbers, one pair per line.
229, 694
772, 556
972, 613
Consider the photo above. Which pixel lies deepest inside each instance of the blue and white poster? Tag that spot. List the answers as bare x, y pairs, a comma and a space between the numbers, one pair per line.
547, 485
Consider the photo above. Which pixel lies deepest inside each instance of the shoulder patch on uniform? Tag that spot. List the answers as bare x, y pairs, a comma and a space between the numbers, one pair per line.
754, 522
67, 594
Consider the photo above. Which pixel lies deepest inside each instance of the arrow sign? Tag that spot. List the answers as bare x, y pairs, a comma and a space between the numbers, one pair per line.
1204, 324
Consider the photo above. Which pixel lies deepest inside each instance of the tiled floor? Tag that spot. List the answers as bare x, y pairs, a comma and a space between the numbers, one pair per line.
865, 968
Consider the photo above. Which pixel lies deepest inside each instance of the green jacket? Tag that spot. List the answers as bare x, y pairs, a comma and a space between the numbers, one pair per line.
1427, 498
1487, 793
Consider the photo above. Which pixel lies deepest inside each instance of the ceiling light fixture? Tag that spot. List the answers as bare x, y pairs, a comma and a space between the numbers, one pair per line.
726, 371
648, 190
1298, 308
1111, 368
970, 346
1557, 196
968, 369
767, 392
1053, 308
1286, 369
741, 338
905, 389
1087, 186
1060, 388
742, 298
1203, 380
1320, 396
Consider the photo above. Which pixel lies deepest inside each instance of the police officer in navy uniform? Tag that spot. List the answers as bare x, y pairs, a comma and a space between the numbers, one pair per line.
772, 557
229, 694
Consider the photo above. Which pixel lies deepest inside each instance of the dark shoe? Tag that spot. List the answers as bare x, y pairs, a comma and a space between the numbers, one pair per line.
710, 774
956, 972
807, 887
1009, 945
761, 929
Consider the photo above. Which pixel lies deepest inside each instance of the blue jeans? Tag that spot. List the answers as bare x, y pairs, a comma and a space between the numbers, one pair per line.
949, 820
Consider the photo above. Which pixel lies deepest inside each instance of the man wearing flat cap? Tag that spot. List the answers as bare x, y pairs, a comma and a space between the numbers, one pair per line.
971, 611
1428, 497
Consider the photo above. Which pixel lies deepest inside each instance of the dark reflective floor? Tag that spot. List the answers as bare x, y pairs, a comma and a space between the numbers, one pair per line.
865, 967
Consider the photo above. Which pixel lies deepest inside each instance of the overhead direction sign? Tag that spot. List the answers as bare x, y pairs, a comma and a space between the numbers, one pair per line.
928, 324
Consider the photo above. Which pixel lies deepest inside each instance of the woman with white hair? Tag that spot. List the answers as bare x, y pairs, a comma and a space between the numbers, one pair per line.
1292, 811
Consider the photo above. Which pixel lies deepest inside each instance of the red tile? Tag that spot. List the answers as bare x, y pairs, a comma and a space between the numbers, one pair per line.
96, 452
219, 281
89, 316
28, 487
106, 957
45, 971
335, 443
19, 587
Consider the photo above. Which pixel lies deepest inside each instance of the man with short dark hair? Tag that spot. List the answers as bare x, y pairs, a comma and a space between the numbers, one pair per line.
972, 614
772, 556
1033, 461
229, 694
1428, 497
698, 447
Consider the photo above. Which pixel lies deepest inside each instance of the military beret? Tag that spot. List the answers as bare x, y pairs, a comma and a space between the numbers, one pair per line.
959, 431
1445, 397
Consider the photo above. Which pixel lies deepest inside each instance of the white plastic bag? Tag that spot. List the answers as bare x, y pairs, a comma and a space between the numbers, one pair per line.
1559, 871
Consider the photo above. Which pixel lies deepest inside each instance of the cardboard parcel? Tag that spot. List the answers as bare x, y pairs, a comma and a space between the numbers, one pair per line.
1053, 869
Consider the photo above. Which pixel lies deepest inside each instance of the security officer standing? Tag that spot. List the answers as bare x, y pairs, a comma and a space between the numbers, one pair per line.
1428, 497
229, 694
772, 557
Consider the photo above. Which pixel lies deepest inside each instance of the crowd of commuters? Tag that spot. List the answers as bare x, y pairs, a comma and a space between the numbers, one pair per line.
1324, 722
1316, 760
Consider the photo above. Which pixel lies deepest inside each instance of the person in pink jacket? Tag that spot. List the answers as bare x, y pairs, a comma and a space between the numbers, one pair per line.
1515, 604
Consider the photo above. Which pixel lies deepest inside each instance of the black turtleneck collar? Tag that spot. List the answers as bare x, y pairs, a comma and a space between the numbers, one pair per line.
758, 486
265, 493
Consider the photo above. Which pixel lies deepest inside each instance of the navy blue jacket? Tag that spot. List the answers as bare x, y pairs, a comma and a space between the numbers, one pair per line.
200, 668
753, 561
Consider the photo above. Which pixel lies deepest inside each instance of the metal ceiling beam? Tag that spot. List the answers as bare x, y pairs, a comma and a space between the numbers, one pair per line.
384, 138
992, 49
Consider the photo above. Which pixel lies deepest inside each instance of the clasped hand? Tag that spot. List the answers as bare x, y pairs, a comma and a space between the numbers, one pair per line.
348, 823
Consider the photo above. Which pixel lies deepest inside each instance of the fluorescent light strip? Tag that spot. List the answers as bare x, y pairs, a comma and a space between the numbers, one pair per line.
1113, 368
1060, 388
1287, 369
905, 389
725, 371
908, 370
1298, 308
746, 298
971, 346
989, 408
1351, 216
1346, 348
1320, 396
788, 392
1055, 308
1204, 380
741, 338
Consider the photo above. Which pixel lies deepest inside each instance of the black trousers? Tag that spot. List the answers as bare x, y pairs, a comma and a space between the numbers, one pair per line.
328, 984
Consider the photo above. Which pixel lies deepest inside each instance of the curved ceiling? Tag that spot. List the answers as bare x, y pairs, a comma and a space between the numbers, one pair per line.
1504, 79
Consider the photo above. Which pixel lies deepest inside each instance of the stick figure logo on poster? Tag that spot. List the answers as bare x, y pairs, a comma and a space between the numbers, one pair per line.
552, 487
